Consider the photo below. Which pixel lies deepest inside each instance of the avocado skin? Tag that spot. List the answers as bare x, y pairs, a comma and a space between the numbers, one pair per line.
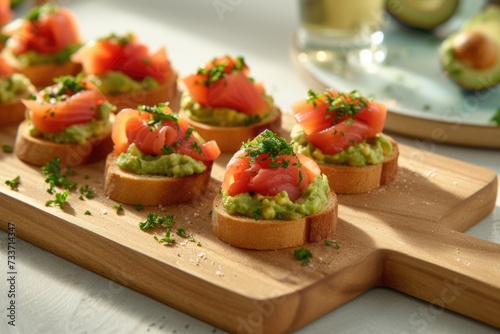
408, 13
468, 78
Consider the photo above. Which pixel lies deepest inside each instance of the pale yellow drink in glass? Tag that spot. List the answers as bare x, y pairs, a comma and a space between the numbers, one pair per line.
339, 26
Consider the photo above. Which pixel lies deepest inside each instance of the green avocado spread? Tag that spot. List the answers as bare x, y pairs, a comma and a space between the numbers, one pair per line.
80, 133
15, 88
115, 82
368, 152
32, 57
219, 116
314, 197
171, 165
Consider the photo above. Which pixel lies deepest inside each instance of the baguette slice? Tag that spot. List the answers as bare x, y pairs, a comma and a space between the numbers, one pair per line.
229, 139
150, 190
244, 232
12, 113
38, 152
167, 92
43, 75
357, 180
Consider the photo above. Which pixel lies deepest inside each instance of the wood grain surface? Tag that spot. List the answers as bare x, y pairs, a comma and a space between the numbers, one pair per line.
405, 235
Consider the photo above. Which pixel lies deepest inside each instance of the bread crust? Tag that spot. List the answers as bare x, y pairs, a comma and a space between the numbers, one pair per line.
38, 152
12, 113
357, 180
244, 232
151, 190
166, 92
230, 138
43, 75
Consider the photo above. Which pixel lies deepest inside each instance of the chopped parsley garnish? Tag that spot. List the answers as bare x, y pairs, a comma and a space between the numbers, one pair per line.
268, 143
88, 213
154, 220
14, 183
218, 71
158, 114
65, 87
118, 208
38, 11
496, 118
181, 232
59, 199
167, 239
304, 255
7, 149
167, 149
138, 207
257, 214
55, 177
122, 40
332, 242
86, 192
343, 105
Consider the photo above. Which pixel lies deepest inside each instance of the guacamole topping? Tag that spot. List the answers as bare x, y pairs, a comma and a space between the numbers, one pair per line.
31, 57
115, 82
80, 133
171, 165
220, 116
314, 197
370, 151
15, 88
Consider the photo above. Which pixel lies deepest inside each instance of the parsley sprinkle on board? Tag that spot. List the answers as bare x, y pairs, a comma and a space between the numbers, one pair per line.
7, 149
304, 255
14, 183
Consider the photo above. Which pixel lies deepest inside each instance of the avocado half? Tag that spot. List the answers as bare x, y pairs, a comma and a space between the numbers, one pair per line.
421, 14
471, 56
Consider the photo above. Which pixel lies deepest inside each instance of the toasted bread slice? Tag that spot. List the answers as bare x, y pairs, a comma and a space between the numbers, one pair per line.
167, 92
244, 232
357, 180
149, 190
38, 152
230, 138
12, 113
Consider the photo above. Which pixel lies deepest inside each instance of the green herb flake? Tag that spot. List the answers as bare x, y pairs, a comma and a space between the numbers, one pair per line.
257, 214
14, 183
118, 208
59, 199
88, 213
138, 207
7, 149
55, 177
181, 232
333, 243
167, 239
154, 220
304, 255
86, 192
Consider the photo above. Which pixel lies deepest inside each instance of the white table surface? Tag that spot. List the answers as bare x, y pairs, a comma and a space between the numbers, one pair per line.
56, 296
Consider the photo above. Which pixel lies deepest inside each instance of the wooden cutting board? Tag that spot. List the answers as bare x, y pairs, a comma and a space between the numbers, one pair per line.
405, 236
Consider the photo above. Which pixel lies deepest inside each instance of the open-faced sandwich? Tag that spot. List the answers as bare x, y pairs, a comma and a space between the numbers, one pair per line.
40, 44
158, 158
13, 88
273, 198
70, 120
224, 104
342, 133
127, 73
